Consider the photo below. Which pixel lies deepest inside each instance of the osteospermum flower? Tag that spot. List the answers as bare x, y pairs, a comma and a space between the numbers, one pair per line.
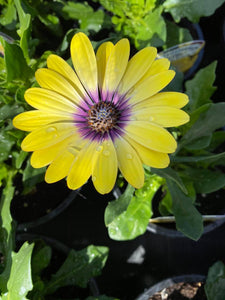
105, 115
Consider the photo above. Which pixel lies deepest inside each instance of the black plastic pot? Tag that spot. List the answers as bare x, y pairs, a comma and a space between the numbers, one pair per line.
168, 283
61, 197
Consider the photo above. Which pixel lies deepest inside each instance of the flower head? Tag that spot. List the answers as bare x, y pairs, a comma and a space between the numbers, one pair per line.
105, 115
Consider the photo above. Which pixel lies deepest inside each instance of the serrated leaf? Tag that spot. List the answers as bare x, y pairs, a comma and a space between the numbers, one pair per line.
128, 217
20, 281
200, 88
152, 29
188, 219
215, 282
78, 268
191, 9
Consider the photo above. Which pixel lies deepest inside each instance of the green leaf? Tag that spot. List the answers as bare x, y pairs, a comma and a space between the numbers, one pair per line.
25, 28
41, 257
188, 219
20, 281
153, 28
176, 35
207, 122
218, 138
214, 159
8, 15
205, 180
7, 231
32, 176
215, 282
191, 9
200, 88
6, 144
199, 143
16, 65
78, 268
169, 173
87, 17
128, 216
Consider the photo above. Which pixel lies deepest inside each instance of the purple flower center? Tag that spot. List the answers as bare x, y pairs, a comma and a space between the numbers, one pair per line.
103, 119
103, 116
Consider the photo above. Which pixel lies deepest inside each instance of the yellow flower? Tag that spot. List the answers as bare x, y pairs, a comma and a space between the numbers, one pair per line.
106, 115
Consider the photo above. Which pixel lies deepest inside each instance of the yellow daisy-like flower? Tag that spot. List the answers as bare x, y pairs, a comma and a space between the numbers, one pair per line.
105, 115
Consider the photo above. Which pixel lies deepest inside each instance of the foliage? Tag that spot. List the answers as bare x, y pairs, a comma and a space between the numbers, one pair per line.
215, 282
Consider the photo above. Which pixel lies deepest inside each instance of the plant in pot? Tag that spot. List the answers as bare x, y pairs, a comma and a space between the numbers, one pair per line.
66, 97
190, 286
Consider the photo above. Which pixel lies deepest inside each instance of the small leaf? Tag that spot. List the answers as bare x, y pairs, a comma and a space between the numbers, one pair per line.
215, 282
188, 219
200, 88
214, 159
199, 143
169, 173
20, 281
204, 180
207, 122
131, 214
79, 268
16, 65
7, 231
25, 28
191, 9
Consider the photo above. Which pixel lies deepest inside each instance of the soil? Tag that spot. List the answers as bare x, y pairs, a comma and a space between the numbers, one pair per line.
181, 291
42, 200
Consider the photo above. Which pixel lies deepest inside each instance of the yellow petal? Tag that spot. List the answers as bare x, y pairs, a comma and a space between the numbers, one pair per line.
174, 99
52, 80
150, 157
105, 169
49, 101
60, 167
129, 163
56, 63
43, 157
102, 56
165, 116
47, 136
158, 66
34, 119
82, 166
151, 136
84, 61
150, 86
136, 68
116, 65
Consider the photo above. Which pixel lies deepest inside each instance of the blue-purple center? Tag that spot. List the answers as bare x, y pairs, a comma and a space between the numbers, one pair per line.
103, 116
98, 120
